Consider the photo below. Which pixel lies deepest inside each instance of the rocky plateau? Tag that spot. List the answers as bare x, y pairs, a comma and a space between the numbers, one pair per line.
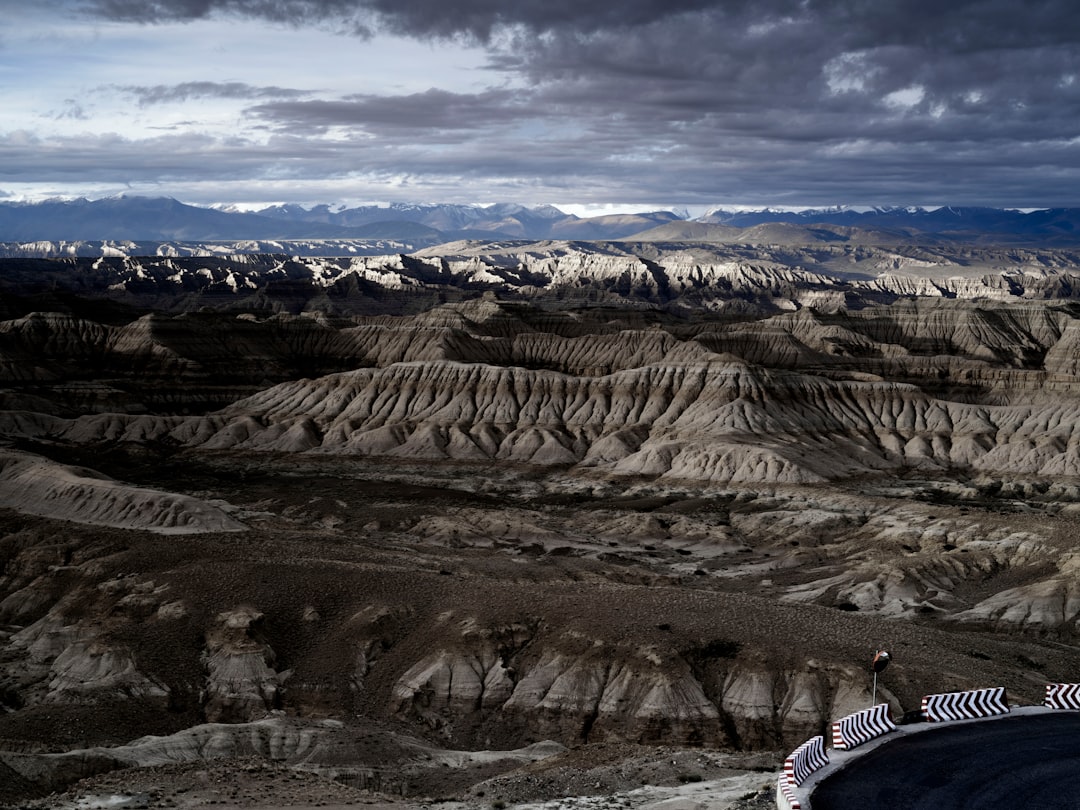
515, 522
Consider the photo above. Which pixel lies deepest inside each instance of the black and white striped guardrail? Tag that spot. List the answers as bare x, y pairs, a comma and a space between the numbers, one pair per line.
806, 759
965, 705
863, 726
1062, 696
860, 727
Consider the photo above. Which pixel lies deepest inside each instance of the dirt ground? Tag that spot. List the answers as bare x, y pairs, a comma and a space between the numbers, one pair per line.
599, 776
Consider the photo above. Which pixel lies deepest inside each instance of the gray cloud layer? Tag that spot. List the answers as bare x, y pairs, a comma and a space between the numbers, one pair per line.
423, 18
808, 101
146, 96
960, 25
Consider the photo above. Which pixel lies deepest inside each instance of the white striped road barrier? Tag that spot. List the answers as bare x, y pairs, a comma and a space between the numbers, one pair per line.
965, 705
1062, 696
860, 727
785, 795
804, 760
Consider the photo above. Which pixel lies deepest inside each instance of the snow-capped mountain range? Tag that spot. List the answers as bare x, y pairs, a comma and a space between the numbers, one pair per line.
81, 227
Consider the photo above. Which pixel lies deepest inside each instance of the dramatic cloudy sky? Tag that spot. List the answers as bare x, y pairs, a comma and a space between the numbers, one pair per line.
643, 103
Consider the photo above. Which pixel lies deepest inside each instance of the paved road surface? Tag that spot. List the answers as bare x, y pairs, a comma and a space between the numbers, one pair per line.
1015, 763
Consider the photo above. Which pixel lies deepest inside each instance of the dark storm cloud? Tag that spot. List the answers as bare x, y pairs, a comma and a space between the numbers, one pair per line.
159, 11
926, 83
429, 112
803, 101
480, 18
698, 58
856, 172
957, 25
146, 96
475, 18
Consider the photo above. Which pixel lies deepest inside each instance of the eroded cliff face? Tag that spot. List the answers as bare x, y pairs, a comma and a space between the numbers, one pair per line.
479, 687
484, 654
241, 682
575, 689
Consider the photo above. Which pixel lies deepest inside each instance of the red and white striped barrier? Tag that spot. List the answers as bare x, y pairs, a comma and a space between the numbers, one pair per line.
855, 729
804, 760
800, 763
785, 795
1062, 696
965, 705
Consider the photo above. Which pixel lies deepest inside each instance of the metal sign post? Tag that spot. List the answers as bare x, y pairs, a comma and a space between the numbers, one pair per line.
881, 660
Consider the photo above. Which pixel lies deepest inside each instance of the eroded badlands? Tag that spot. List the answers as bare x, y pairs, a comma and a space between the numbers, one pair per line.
473, 550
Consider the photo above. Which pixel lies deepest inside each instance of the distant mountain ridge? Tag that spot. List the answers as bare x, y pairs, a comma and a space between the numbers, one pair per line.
454, 221
418, 226
943, 220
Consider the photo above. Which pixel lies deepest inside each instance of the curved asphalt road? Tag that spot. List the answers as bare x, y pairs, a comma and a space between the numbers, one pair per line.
1013, 763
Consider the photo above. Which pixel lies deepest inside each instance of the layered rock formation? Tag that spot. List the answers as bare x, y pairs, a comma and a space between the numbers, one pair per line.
571, 668
687, 418
584, 689
37, 486
241, 683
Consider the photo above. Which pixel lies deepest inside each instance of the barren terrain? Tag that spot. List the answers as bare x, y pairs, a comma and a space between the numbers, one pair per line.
519, 524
